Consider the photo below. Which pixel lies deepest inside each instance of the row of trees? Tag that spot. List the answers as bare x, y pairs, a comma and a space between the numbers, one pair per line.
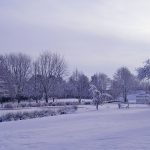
27, 78
44, 78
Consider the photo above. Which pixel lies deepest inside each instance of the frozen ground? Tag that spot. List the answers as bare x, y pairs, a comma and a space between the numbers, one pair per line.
88, 129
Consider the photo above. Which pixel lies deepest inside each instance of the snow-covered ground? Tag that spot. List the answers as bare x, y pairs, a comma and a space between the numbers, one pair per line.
109, 128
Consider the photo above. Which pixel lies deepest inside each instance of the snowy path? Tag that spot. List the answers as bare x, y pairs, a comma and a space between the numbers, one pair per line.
106, 129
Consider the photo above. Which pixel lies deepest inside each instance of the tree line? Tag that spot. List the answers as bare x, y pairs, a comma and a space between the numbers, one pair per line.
25, 78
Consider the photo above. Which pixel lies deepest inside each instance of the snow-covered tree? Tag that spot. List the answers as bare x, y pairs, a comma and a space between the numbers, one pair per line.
83, 86
124, 81
18, 66
57, 88
95, 95
144, 75
51, 66
100, 81
60, 88
79, 85
6, 76
144, 72
115, 89
98, 97
33, 88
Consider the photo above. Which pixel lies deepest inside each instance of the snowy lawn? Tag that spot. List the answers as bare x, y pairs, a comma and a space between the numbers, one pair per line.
88, 129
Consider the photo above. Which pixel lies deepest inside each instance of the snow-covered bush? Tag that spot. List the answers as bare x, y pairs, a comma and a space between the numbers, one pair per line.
87, 103
22, 105
98, 97
28, 104
66, 110
37, 114
8, 106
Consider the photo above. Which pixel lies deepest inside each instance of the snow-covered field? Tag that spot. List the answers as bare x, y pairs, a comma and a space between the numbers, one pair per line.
109, 128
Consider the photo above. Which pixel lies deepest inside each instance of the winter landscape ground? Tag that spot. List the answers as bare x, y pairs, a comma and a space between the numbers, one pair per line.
109, 128
74, 74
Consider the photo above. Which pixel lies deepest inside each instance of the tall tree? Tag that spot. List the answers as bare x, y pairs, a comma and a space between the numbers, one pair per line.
79, 85
19, 67
124, 81
6, 77
33, 87
100, 81
50, 67
144, 75
144, 72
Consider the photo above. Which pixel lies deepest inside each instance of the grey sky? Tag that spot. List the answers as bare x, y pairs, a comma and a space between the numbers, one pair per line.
92, 35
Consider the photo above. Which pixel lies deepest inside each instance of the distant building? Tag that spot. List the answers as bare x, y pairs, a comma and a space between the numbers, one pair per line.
3, 88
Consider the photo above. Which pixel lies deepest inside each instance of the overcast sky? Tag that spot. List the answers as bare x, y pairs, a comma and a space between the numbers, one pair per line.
92, 35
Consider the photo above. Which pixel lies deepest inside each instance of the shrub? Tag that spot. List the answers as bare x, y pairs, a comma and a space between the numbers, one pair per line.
87, 103
36, 114
22, 105
33, 104
5, 99
8, 106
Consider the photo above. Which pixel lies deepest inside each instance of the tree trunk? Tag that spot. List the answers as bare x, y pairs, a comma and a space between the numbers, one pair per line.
1, 101
125, 96
46, 98
36, 99
96, 106
18, 98
79, 100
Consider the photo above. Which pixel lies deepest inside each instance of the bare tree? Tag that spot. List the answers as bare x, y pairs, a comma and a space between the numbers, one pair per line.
83, 86
144, 75
19, 67
115, 89
144, 72
50, 67
6, 76
35, 82
100, 81
124, 81
33, 86
79, 85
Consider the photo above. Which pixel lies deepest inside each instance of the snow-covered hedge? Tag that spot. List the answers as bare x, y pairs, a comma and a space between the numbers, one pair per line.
37, 114
9, 106
27, 104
